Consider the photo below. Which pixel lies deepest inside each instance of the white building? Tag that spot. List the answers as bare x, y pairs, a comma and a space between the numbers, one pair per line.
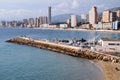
63, 26
73, 20
108, 45
85, 18
98, 26
93, 16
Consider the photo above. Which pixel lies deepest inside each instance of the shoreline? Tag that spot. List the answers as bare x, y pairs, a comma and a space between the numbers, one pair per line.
110, 65
70, 29
87, 30
109, 70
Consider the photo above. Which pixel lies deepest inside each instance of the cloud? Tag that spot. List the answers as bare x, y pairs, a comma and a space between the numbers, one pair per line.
66, 7
61, 8
62, 5
19, 13
75, 4
101, 7
22, 1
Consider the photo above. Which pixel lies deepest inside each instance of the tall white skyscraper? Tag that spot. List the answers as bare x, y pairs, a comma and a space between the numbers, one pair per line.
73, 21
93, 16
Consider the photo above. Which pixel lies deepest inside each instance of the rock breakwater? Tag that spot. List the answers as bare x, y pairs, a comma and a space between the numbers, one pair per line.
65, 49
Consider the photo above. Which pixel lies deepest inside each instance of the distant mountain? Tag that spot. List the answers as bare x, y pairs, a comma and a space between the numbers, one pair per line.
63, 18
113, 9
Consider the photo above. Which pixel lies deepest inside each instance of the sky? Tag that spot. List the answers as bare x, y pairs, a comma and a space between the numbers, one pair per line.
21, 9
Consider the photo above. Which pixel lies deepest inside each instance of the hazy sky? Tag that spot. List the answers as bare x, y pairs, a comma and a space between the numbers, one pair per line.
19, 9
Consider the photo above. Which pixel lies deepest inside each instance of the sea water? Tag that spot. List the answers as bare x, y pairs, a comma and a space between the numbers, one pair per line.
20, 62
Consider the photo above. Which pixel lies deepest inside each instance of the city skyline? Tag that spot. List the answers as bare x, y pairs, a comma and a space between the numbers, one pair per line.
18, 10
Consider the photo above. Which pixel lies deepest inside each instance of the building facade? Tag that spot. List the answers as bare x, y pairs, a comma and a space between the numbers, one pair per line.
25, 22
31, 22
36, 22
116, 25
107, 45
73, 21
93, 16
40, 20
113, 16
106, 16
45, 20
118, 14
85, 18
49, 15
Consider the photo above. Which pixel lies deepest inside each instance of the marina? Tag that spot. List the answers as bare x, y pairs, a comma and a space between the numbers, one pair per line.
103, 45
65, 49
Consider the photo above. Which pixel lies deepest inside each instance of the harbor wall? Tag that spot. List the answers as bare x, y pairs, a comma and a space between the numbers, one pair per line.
65, 49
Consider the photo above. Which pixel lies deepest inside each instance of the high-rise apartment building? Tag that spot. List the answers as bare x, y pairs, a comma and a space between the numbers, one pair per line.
93, 16
25, 21
109, 16
106, 16
85, 18
68, 22
118, 14
49, 15
45, 19
73, 21
31, 22
113, 16
40, 20
36, 22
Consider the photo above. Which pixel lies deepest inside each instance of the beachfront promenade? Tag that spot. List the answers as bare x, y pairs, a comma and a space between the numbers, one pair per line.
65, 49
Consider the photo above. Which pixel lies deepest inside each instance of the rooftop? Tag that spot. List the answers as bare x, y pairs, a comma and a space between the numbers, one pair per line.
108, 39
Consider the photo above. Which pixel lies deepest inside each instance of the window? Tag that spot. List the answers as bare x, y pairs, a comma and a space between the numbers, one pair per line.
111, 44
112, 48
118, 44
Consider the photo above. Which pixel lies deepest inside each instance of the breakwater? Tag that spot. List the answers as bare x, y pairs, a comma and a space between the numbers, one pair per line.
65, 49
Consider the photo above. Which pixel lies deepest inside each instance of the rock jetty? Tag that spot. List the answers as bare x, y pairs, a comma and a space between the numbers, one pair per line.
65, 49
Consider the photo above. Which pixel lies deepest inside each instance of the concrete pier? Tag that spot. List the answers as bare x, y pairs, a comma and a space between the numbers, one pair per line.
65, 49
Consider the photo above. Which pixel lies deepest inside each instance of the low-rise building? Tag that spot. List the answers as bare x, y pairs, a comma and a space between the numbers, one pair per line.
86, 26
107, 45
63, 26
98, 26
116, 25
107, 26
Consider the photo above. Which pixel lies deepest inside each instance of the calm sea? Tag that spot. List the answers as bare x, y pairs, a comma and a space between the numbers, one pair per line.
18, 62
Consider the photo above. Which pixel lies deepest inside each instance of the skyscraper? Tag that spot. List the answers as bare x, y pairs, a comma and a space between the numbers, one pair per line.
106, 16
45, 19
36, 22
85, 18
118, 15
113, 16
49, 15
40, 20
93, 16
31, 22
25, 22
73, 20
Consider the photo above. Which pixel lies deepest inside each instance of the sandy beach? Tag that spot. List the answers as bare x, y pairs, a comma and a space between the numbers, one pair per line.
111, 70
111, 31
